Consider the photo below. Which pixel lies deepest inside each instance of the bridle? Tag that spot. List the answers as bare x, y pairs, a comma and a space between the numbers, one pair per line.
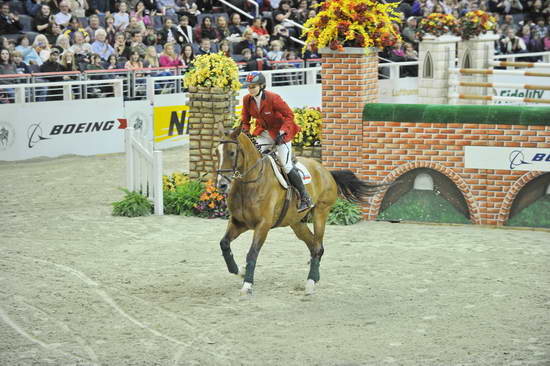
236, 174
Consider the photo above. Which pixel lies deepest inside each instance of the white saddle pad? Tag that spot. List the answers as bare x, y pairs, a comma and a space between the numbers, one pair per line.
304, 173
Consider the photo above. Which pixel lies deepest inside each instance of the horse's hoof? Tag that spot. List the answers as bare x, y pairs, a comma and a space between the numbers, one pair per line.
246, 290
310, 287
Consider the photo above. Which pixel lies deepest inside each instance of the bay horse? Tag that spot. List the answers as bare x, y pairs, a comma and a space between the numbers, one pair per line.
255, 201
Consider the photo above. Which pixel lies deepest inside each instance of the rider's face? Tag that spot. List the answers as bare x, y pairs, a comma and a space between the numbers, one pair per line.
254, 89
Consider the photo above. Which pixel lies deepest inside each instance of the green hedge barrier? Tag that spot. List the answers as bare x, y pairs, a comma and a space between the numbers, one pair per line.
441, 113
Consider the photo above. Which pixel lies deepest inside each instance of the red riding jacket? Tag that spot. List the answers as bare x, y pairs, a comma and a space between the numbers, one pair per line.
274, 116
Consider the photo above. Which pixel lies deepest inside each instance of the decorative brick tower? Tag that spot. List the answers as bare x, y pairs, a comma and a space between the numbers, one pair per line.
350, 79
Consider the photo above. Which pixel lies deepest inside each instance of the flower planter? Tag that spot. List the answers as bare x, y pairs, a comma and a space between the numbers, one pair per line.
311, 152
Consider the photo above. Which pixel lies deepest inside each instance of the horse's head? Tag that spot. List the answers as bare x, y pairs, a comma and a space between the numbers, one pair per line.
230, 159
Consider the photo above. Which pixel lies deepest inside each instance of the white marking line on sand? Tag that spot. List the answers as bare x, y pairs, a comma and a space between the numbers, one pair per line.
21, 331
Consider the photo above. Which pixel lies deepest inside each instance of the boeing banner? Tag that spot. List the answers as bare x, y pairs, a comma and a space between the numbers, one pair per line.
507, 158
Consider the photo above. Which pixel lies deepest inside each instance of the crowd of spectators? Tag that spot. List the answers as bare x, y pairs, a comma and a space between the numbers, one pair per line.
79, 35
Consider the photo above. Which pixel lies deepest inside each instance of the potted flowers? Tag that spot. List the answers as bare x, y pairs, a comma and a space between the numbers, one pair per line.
437, 25
475, 23
352, 23
214, 70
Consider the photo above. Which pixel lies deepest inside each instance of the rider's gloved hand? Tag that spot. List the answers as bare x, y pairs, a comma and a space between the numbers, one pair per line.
279, 140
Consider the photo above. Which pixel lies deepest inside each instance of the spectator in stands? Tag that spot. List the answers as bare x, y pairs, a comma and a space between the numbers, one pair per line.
134, 62
235, 26
540, 27
64, 16
20, 66
150, 36
189, 9
9, 21
167, 7
7, 67
168, 57
206, 30
51, 64
205, 47
508, 22
100, 45
276, 53
136, 44
110, 29
222, 28
282, 14
510, 43
258, 26
261, 60
310, 53
42, 20
410, 52
247, 42
525, 34
135, 27
53, 31
122, 18
69, 62
509, 7
33, 7
281, 33
409, 32
74, 27
102, 6
151, 58
78, 7
81, 49
300, 14
141, 14
205, 6
168, 33
225, 47
112, 63
27, 52
184, 32
187, 55
248, 63
42, 47
93, 26
63, 43
95, 62
120, 46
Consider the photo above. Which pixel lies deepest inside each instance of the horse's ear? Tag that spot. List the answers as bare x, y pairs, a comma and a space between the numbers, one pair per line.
235, 133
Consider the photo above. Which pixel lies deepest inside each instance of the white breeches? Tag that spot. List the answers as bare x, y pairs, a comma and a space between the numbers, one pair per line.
284, 151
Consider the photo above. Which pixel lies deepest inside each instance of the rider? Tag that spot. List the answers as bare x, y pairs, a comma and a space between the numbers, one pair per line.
274, 125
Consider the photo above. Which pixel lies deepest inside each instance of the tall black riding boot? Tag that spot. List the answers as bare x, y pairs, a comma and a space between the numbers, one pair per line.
296, 181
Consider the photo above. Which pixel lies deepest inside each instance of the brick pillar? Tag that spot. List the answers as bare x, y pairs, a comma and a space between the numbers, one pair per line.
350, 79
210, 108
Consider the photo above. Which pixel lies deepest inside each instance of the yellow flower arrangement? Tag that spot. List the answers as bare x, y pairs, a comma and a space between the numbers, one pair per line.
213, 70
309, 120
170, 182
352, 23
437, 24
474, 23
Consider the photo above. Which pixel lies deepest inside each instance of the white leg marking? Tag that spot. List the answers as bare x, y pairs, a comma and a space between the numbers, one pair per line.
310, 287
246, 289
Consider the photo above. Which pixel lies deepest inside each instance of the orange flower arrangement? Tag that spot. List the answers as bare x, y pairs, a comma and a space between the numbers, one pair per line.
352, 23
474, 23
437, 24
212, 203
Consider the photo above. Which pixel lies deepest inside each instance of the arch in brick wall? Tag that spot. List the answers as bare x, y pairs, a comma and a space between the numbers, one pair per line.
508, 200
449, 173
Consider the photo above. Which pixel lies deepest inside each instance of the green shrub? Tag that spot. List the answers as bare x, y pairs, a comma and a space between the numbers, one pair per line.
132, 205
344, 213
183, 200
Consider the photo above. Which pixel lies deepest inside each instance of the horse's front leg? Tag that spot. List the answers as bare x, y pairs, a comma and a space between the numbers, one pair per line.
260, 234
234, 229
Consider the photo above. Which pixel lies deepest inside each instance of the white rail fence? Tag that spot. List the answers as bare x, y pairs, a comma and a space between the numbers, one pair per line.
144, 168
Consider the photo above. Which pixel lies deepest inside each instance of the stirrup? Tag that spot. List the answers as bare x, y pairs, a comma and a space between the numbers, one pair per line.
306, 203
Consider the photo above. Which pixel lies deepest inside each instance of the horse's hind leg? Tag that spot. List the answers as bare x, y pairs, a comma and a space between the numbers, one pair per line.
316, 250
234, 229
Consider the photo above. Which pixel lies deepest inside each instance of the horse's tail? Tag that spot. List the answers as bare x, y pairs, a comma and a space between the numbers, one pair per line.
352, 188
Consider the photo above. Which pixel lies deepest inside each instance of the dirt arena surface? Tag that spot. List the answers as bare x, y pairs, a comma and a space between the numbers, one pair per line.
81, 287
